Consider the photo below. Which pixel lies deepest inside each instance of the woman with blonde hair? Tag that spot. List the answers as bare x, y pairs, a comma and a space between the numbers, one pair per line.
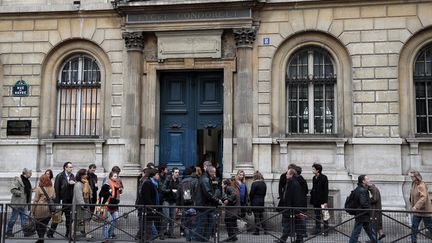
257, 194
40, 209
244, 198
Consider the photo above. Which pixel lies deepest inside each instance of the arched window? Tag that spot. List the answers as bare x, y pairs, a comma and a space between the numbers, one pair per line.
423, 90
78, 98
311, 87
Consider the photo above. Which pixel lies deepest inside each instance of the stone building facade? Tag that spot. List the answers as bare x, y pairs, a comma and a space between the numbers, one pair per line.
252, 84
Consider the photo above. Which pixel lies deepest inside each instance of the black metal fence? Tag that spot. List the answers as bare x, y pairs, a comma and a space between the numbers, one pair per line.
130, 223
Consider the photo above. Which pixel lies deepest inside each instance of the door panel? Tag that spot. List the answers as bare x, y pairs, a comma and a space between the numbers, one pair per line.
189, 101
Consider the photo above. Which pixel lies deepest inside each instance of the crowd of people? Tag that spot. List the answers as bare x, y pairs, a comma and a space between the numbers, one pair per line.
197, 192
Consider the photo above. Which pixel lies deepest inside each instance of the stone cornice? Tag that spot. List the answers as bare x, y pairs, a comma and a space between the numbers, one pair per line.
134, 41
245, 37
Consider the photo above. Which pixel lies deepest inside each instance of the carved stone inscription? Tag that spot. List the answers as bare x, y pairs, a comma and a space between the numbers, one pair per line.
188, 15
189, 44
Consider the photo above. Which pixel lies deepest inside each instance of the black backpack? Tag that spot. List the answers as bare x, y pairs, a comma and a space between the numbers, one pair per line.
350, 204
187, 192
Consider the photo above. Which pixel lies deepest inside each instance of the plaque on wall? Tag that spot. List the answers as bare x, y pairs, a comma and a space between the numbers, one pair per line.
18, 128
20, 89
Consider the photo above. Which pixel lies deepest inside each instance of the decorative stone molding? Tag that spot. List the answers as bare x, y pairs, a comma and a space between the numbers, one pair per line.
245, 37
134, 41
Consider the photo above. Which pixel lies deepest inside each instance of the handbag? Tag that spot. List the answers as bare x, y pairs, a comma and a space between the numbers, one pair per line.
57, 218
51, 203
325, 213
101, 211
29, 227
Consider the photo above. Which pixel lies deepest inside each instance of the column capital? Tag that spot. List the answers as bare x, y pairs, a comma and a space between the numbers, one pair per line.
245, 37
134, 41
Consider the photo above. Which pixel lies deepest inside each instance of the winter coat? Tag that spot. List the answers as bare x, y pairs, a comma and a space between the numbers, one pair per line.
83, 212
319, 192
257, 194
206, 193
233, 197
282, 184
362, 201
304, 189
63, 190
292, 194
40, 208
419, 198
375, 199
19, 196
148, 196
166, 191
106, 194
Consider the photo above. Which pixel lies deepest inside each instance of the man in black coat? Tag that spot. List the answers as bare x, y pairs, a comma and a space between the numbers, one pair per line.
206, 196
291, 198
63, 186
362, 218
92, 180
149, 196
319, 197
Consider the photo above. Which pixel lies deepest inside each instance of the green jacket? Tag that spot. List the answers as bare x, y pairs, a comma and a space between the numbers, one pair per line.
18, 193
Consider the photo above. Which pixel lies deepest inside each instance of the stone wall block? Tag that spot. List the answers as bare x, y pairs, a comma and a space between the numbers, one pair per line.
285, 29
22, 47
375, 84
76, 27
54, 37
20, 112
337, 27
266, 51
388, 47
11, 36
88, 29
64, 28
393, 60
346, 13
264, 86
348, 37
115, 34
116, 122
358, 132
402, 10
117, 89
401, 35
264, 131
264, 63
98, 36
117, 67
424, 13
33, 58
373, 11
30, 101
266, 28
386, 72
373, 35
11, 58
360, 120
362, 73
356, 84
115, 56
263, 109
394, 107
274, 16
296, 18
46, 24
264, 75
116, 111
35, 90
358, 24
23, 25
392, 119
263, 98
358, 108
5, 48
387, 96
35, 112
113, 45
361, 48
390, 23
36, 36
115, 132
325, 18
376, 108
374, 60
117, 78
108, 23
413, 24
116, 100
364, 96
311, 18
376, 131
394, 131
36, 69
21, 70
11, 101
264, 120
356, 61
6, 25
42, 47
393, 84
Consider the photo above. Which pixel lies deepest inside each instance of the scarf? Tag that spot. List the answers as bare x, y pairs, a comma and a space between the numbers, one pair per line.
27, 188
115, 186
86, 190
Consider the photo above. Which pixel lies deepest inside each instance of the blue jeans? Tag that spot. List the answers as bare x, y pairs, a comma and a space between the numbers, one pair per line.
15, 212
110, 224
415, 224
367, 226
204, 225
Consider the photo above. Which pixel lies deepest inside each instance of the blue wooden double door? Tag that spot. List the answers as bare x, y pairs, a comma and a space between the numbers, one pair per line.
191, 112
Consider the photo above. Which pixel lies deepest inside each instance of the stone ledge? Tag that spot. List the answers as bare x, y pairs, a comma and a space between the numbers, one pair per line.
72, 140
382, 141
19, 142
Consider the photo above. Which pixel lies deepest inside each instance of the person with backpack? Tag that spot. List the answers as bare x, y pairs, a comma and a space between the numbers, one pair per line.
186, 192
360, 200
420, 203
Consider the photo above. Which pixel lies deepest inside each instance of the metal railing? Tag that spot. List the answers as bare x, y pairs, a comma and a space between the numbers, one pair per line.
131, 223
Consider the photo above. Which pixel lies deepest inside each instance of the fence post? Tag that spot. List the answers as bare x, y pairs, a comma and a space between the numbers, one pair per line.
72, 231
218, 220
145, 224
3, 216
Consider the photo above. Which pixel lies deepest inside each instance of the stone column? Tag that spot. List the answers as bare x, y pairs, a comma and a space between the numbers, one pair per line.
243, 99
131, 125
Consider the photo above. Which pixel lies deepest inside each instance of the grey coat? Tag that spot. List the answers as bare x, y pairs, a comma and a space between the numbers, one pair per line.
19, 195
83, 213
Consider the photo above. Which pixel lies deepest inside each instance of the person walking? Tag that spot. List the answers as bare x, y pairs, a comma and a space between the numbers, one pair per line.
82, 195
377, 221
39, 209
206, 196
231, 197
169, 198
362, 217
63, 186
21, 194
319, 197
420, 203
256, 195
110, 192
